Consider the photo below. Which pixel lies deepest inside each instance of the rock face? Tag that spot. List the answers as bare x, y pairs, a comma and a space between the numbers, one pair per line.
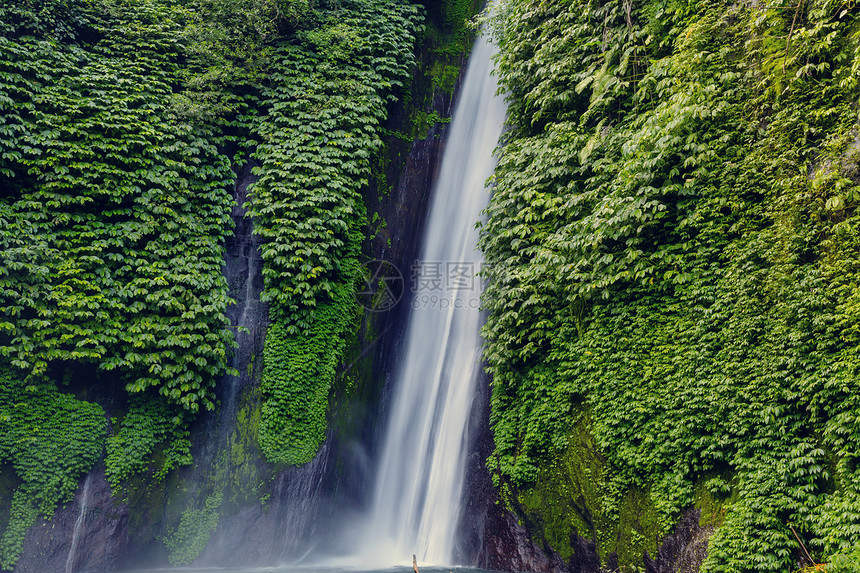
684, 550
102, 542
243, 263
278, 531
491, 536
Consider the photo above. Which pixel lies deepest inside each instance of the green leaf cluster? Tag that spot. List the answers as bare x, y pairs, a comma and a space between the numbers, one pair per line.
148, 423
114, 213
326, 104
51, 439
672, 252
61, 20
298, 375
120, 124
192, 533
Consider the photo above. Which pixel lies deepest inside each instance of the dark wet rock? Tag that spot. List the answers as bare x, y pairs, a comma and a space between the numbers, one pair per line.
492, 537
291, 522
685, 549
103, 540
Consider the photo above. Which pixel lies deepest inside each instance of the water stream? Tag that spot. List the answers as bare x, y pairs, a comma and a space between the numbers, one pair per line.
242, 269
79, 524
417, 497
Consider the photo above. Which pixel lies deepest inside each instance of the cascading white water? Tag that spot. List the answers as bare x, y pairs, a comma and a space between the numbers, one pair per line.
416, 503
79, 523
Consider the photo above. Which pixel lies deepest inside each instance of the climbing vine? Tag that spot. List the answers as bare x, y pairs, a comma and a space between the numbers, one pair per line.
326, 105
671, 243
147, 424
192, 533
51, 439
300, 370
114, 214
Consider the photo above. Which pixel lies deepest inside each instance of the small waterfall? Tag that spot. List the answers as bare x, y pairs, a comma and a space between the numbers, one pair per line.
217, 481
416, 503
79, 524
247, 324
242, 269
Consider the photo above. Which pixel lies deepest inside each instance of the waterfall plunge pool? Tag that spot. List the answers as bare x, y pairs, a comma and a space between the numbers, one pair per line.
308, 569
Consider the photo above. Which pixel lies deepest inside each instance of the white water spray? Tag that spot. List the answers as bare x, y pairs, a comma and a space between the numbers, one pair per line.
79, 524
416, 503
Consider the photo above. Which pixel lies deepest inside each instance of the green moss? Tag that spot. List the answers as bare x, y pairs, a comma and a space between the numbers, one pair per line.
565, 500
444, 76
146, 502
356, 386
712, 497
639, 531
190, 537
248, 476
578, 495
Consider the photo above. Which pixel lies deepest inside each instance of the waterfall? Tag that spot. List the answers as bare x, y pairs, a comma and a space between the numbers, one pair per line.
415, 507
242, 269
76, 532
247, 324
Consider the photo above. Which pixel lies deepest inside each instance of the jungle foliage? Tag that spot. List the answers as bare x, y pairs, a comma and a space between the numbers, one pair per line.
121, 123
326, 105
51, 439
673, 250
113, 211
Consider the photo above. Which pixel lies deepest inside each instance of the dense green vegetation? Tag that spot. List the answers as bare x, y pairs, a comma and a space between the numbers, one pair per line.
114, 212
327, 103
114, 209
674, 249
50, 438
673, 241
121, 124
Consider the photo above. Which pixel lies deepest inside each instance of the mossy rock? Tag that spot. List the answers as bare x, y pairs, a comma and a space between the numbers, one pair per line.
569, 501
